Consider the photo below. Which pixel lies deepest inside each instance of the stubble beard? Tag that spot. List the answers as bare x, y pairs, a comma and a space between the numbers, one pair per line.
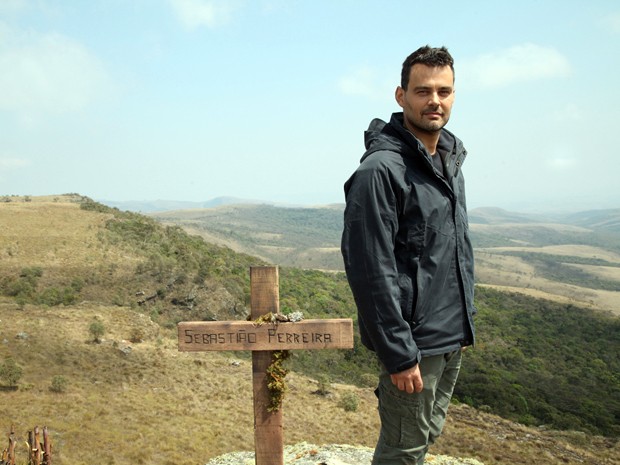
428, 127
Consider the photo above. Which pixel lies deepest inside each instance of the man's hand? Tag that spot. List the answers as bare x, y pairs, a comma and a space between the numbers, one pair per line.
409, 380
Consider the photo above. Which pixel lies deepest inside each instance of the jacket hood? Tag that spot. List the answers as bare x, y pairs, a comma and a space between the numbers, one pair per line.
380, 136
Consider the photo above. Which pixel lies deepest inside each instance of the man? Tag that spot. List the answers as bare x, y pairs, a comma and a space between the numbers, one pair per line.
409, 259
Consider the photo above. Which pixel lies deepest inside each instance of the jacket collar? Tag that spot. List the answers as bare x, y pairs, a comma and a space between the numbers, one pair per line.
449, 146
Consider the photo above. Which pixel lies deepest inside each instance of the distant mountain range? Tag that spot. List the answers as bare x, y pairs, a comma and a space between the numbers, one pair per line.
152, 206
604, 219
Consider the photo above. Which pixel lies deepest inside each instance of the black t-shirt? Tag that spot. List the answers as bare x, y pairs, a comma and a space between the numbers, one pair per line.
438, 163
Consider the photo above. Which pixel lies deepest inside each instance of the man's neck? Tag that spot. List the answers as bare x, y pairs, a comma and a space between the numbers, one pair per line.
429, 139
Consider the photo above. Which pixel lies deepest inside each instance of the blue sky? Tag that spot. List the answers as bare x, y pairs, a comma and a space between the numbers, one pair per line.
268, 99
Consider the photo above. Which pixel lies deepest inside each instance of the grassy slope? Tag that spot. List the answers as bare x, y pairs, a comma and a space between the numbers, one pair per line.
156, 405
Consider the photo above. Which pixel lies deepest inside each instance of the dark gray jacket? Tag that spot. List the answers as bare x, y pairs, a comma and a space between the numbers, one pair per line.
406, 247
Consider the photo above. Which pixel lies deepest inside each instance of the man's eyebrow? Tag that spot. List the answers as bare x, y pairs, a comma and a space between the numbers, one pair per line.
432, 87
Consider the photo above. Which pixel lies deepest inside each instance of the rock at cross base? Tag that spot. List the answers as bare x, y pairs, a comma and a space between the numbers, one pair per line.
331, 454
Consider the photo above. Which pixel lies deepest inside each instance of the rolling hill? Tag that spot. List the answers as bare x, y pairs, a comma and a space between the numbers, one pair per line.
67, 262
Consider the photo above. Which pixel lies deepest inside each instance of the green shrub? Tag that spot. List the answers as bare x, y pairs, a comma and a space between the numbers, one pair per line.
323, 384
18, 288
50, 297
77, 284
10, 372
96, 330
349, 401
31, 274
24, 289
59, 384
24, 286
369, 380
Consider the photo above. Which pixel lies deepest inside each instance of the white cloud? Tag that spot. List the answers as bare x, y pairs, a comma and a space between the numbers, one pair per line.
47, 73
365, 82
521, 63
196, 13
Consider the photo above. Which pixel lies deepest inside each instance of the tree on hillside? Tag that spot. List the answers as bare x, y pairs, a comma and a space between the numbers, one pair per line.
96, 330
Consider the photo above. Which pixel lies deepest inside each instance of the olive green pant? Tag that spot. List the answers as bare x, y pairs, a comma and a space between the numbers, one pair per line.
410, 423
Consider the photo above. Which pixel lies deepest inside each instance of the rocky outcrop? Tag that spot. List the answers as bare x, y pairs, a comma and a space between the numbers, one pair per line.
333, 454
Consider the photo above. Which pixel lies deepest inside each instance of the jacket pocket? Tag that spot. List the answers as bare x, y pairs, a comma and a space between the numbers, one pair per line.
399, 413
407, 293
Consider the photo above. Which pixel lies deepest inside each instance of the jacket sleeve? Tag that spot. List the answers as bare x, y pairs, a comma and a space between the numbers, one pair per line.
370, 228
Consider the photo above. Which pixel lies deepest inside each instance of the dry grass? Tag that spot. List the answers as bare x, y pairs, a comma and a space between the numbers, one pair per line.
160, 406
55, 234
611, 273
583, 251
48, 233
513, 273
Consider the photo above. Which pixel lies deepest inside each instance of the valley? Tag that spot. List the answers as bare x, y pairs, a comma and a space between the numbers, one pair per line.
514, 252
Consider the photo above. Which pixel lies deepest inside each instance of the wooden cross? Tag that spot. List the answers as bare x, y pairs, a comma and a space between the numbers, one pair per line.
263, 340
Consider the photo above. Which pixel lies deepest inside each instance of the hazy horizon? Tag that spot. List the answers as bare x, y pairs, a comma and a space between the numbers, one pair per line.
158, 205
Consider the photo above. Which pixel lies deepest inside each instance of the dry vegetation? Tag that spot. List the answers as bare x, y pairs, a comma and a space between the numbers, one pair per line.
515, 274
54, 233
156, 405
300, 237
497, 268
151, 404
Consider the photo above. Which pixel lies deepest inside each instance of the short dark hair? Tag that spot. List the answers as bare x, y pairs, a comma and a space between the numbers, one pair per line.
429, 56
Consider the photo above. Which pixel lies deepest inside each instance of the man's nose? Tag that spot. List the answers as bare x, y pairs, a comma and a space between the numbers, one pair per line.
433, 98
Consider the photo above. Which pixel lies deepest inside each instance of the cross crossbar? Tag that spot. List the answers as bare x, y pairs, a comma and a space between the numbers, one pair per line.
198, 336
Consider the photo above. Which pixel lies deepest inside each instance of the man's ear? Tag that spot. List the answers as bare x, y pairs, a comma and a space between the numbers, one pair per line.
399, 95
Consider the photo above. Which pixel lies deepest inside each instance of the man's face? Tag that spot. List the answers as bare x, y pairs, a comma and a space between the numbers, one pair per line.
428, 100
